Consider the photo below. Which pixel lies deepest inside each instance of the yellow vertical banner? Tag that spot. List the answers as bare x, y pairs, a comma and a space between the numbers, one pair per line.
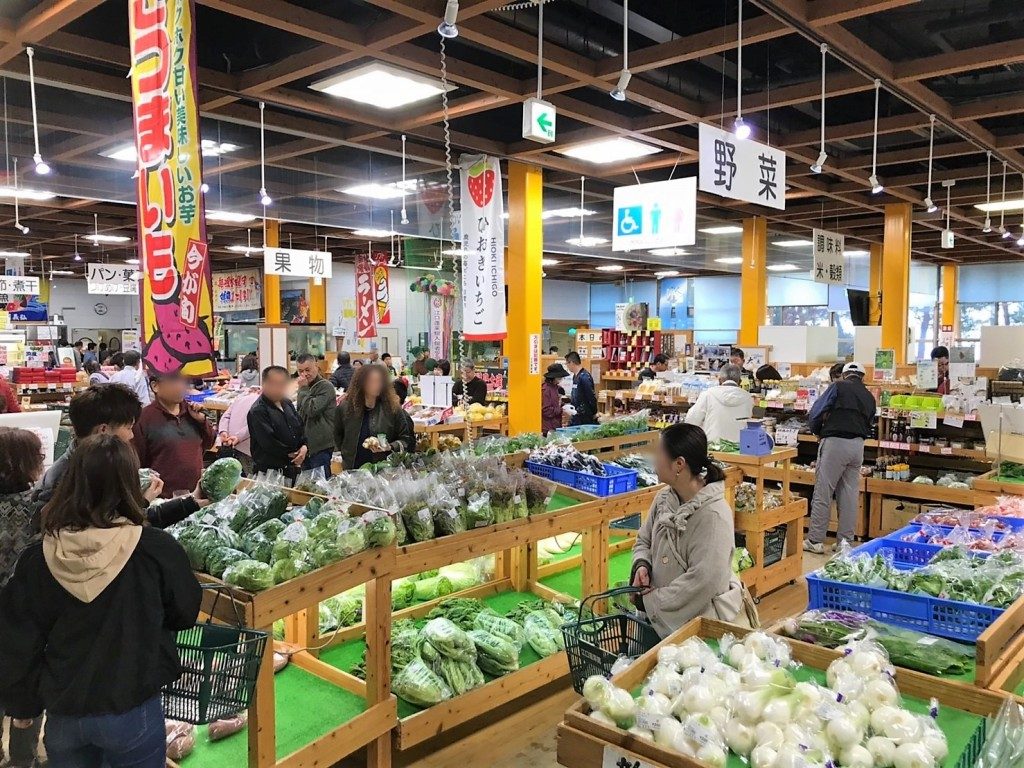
176, 295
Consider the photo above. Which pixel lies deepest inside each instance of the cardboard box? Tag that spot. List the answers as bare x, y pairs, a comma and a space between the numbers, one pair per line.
896, 513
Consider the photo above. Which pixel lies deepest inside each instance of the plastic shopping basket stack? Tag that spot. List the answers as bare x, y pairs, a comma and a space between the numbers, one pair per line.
220, 665
595, 643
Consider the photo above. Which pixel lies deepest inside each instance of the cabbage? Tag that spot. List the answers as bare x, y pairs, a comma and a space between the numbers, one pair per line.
287, 569
418, 685
250, 575
346, 609
325, 552
220, 558
259, 543
325, 525
220, 478
201, 542
292, 542
351, 533
432, 588
403, 594
380, 528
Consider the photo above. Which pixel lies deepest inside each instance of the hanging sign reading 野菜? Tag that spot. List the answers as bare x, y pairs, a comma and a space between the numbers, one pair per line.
741, 169
829, 261
483, 249
177, 305
292, 262
111, 279
366, 299
662, 214
237, 290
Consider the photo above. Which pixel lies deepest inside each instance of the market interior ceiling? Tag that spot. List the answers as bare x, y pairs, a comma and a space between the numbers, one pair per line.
960, 60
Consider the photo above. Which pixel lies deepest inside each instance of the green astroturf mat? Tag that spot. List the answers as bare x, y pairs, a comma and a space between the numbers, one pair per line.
561, 501
306, 708
570, 582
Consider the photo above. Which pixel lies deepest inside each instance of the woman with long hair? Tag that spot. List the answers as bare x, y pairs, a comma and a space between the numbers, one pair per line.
88, 620
370, 422
249, 371
682, 557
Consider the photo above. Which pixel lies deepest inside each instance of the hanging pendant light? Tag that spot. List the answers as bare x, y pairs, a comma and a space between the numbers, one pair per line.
822, 155
41, 167
264, 197
1020, 240
619, 91
447, 28
78, 256
739, 127
928, 204
873, 182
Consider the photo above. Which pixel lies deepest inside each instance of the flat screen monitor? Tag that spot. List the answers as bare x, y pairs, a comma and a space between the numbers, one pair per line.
860, 306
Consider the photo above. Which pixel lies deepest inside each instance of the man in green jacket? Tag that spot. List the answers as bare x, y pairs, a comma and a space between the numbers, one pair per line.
317, 401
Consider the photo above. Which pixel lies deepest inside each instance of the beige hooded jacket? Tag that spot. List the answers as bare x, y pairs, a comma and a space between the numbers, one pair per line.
86, 562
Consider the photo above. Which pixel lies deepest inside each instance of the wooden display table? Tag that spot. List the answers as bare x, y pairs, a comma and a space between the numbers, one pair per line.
436, 430
761, 579
477, 429
989, 484
879, 490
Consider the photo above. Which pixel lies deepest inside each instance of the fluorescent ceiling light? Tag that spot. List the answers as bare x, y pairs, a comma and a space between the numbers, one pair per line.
667, 273
567, 213
13, 255
230, 216
725, 230
244, 248
668, 252
133, 262
60, 272
381, 85
459, 252
381, 191
729, 260
26, 194
609, 268
857, 253
101, 238
126, 152
607, 151
798, 243
371, 232
545, 262
1001, 205
782, 267
586, 241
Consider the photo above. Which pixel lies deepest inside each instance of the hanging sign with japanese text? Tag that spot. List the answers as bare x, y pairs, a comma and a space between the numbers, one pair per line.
237, 290
366, 299
176, 295
741, 169
828, 263
382, 287
292, 262
440, 329
662, 214
19, 285
483, 249
111, 279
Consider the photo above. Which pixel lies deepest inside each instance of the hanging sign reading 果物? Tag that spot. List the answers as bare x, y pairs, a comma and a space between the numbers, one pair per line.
483, 249
292, 262
176, 295
662, 214
741, 169
111, 279
828, 260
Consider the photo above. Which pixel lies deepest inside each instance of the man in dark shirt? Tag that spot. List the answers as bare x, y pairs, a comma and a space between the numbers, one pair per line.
584, 398
658, 365
841, 418
474, 387
171, 435
276, 434
941, 357
343, 373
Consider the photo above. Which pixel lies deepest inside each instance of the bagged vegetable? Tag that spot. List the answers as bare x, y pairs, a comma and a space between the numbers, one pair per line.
346, 609
538, 492
256, 505
326, 620
502, 627
380, 528
494, 655
288, 569
220, 478
146, 476
250, 575
228, 726
460, 676
448, 521
204, 540
419, 685
432, 588
403, 594
221, 558
325, 525
478, 511
292, 543
259, 543
180, 739
448, 640
462, 575
281, 661
541, 636
351, 535
419, 523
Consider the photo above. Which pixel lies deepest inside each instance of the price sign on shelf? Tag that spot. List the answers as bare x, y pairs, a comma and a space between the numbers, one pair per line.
923, 419
786, 435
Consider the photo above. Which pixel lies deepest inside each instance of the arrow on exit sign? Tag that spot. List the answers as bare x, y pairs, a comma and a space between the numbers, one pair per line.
539, 121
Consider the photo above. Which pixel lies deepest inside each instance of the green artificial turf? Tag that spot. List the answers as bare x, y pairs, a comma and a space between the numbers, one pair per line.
306, 708
561, 501
571, 582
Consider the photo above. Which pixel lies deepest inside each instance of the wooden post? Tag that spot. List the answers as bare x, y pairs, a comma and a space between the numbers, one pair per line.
261, 729
377, 611
753, 280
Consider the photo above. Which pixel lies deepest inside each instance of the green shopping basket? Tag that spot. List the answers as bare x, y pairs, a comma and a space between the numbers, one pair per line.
219, 663
594, 644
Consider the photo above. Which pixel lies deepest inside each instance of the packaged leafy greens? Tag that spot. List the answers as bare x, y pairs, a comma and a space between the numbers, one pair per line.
221, 557
288, 568
220, 478
419, 685
494, 655
250, 575
380, 528
351, 536
542, 636
502, 627
448, 640
292, 543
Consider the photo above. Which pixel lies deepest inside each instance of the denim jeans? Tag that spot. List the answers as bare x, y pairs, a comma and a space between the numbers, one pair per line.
133, 739
319, 459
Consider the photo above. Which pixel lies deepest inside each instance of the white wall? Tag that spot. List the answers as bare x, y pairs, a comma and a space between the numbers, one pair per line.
566, 300
73, 302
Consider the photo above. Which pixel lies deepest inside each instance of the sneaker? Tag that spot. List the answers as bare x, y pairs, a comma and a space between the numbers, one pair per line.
839, 545
810, 546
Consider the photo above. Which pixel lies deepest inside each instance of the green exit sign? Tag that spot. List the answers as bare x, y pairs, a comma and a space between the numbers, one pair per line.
539, 121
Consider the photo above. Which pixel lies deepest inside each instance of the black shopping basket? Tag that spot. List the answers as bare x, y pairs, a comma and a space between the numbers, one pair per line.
594, 644
220, 664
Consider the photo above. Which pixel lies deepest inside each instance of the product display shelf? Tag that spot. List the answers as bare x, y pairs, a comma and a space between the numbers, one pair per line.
435, 431
878, 490
999, 654
761, 579
477, 429
990, 484
585, 743
607, 447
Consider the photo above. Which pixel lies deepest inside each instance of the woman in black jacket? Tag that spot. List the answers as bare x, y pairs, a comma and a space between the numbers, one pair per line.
371, 409
88, 620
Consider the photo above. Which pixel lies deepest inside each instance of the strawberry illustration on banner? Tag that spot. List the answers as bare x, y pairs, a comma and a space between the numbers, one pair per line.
483, 249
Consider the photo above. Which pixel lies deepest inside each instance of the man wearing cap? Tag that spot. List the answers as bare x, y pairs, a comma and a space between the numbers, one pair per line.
841, 418
474, 387
551, 397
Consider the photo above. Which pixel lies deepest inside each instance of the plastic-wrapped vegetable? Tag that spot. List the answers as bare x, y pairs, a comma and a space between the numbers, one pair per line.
502, 627
432, 588
180, 739
346, 609
324, 552
221, 558
325, 525
380, 528
538, 493
448, 521
478, 511
257, 505
418, 685
461, 676
146, 476
259, 543
419, 523
448, 640
220, 478
228, 726
351, 535
541, 636
250, 575
200, 543
494, 655
403, 594
292, 542
287, 569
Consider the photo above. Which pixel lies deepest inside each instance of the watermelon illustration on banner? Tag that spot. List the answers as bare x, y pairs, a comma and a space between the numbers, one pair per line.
483, 249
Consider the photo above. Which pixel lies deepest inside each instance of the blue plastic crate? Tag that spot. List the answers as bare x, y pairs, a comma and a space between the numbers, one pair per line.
1013, 524
616, 480
914, 552
946, 618
199, 397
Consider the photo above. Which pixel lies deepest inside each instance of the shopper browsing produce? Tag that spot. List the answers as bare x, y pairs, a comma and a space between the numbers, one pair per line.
419, 363
658, 365
584, 398
841, 418
720, 411
474, 387
317, 403
343, 373
941, 357
551, 397
370, 423
683, 551
171, 435
88, 620
234, 427
276, 434
96, 376
130, 374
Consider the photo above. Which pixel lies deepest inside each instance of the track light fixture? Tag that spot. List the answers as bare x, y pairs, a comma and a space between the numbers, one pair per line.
822, 156
876, 188
264, 197
619, 91
41, 167
739, 127
928, 204
447, 28
987, 227
1002, 212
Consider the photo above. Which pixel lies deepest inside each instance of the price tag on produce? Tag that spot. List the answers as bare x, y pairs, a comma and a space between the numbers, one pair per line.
923, 419
616, 758
786, 435
954, 420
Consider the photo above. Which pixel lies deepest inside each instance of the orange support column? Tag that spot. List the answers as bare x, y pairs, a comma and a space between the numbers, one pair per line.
753, 280
317, 301
896, 278
875, 284
950, 289
272, 283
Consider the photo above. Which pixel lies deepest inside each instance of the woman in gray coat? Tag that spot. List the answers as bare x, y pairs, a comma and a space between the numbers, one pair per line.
682, 557
371, 410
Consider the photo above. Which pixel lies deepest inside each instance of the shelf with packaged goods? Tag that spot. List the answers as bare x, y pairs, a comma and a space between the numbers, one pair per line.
933, 450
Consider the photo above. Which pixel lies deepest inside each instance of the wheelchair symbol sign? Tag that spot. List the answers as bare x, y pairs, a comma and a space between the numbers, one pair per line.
630, 220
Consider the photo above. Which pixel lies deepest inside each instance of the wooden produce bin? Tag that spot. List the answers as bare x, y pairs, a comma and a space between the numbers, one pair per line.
460, 430
989, 485
606, 448
806, 478
761, 579
879, 490
999, 655
477, 429
585, 743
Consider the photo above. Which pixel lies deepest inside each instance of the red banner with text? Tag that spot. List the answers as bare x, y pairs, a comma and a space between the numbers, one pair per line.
366, 299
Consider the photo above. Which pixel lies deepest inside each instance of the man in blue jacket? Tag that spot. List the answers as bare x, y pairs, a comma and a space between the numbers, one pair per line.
841, 418
584, 398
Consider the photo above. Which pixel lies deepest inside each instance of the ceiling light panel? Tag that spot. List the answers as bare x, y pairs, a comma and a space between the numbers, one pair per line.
381, 85
723, 230
377, 191
608, 151
231, 217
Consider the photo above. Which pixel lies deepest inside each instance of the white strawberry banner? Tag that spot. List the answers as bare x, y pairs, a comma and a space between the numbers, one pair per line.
483, 249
